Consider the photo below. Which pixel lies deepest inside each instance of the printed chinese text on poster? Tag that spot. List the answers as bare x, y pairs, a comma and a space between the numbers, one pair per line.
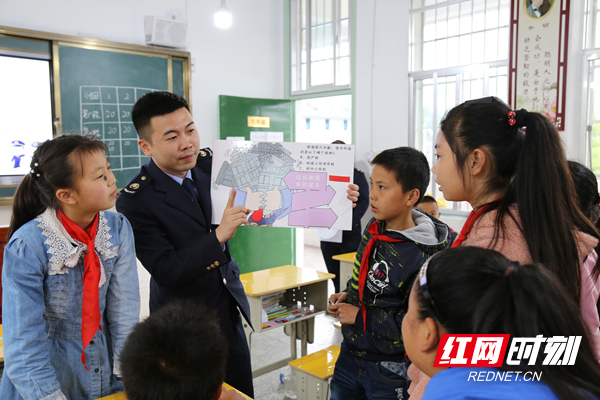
284, 184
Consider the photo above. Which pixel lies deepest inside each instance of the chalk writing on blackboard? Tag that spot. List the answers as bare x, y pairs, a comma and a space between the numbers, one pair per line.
106, 113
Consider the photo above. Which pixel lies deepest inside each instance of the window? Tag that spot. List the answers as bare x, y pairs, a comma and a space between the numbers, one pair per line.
324, 119
458, 52
591, 72
320, 46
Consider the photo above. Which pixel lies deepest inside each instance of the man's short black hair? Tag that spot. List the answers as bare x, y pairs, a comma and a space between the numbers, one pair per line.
151, 105
428, 199
176, 353
409, 166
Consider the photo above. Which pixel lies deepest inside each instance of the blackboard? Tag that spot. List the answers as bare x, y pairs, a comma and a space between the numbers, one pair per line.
98, 88
95, 84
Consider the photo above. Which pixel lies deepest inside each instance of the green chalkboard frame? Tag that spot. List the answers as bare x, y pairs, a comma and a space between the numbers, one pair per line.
20, 42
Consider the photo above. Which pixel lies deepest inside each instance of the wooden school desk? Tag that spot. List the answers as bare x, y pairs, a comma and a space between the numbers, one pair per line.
346, 267
302, 286
121, 395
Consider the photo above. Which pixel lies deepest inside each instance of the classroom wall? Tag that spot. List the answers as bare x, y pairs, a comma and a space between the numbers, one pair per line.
244, 60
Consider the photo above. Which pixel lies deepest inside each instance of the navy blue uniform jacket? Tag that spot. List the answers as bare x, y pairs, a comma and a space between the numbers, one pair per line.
176, 243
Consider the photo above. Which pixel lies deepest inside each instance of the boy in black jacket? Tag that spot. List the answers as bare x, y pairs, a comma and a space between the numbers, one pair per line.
394, 247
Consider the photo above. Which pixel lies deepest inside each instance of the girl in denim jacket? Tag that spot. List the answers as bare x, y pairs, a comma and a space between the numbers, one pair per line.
69, 276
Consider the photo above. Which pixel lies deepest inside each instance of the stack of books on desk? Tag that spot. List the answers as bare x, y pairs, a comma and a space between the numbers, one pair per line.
294, 313
271, 305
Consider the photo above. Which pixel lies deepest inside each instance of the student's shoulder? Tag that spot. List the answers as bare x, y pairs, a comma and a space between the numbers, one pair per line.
114, 218
28, 232
33, 234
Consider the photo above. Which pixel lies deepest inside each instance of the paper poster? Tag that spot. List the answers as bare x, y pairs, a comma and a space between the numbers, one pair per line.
284, 184
538, 61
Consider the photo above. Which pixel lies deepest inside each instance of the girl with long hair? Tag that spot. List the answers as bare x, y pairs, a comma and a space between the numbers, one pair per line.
69, 276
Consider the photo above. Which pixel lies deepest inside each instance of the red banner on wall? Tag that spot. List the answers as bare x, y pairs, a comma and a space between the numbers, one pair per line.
538, 57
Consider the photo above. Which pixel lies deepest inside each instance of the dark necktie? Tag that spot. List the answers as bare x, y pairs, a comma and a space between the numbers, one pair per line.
189, 185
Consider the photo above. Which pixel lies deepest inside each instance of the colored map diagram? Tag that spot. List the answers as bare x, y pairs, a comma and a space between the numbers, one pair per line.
284, 184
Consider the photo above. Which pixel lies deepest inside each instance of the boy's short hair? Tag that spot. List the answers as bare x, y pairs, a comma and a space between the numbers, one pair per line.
409, 166
176, 353
428, 199
151, 105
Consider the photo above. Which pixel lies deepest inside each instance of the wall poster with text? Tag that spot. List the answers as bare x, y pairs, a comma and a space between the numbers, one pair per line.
538, 57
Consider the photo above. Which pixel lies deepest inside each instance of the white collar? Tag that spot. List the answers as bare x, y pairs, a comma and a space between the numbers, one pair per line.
178, 179
65, 251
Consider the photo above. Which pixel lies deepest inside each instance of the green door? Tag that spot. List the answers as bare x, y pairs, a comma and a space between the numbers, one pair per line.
254, 247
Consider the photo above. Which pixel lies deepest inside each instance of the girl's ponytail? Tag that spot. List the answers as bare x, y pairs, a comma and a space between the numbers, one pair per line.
547, 202
529, 166
535, 303
27, 204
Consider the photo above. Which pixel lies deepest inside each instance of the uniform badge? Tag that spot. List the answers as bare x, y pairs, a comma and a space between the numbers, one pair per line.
134, 186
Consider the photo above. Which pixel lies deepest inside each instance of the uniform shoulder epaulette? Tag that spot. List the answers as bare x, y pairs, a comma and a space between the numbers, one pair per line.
205, 152
137, 183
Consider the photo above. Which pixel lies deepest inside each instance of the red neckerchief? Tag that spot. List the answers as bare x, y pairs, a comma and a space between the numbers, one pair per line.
466, 229
90, 307
364, 264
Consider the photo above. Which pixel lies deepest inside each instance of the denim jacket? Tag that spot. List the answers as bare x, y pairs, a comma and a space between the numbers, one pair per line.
42, 279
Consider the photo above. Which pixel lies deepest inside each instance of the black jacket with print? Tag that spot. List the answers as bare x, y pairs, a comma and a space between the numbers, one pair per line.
393, 267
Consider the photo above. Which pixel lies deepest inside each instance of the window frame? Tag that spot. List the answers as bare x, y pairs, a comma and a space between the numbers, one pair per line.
294, 68
436, 74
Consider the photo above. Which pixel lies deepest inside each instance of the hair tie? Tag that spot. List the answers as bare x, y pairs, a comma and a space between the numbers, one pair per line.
35, 171
517, 118
513, 266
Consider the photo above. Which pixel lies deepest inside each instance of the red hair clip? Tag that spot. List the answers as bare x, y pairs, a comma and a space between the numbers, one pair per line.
511, 118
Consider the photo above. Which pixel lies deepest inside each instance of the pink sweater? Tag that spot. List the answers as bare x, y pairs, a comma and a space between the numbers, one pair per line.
514, 247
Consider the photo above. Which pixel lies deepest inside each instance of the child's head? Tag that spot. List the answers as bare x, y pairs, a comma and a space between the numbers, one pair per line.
154, 104
398, 181
471, 290
178, 352
586, 186
487, 152
477, 143
429, 206
68, 168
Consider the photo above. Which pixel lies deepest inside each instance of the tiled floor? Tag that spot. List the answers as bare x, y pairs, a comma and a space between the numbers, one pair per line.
269, 346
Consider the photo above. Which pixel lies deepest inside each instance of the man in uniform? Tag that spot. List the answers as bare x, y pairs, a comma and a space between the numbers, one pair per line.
169, 207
